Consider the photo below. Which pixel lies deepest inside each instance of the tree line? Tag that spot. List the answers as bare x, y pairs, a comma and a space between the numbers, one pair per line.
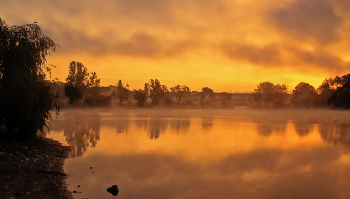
333, 92
27, 96
83, 89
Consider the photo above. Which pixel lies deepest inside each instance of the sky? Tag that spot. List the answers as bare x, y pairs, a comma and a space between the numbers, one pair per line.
227, 45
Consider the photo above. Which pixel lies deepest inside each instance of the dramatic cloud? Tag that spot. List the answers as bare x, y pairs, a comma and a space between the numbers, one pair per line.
209, 39
314, 19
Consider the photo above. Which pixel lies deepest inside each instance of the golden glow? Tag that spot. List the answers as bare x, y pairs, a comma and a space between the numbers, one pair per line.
216, 43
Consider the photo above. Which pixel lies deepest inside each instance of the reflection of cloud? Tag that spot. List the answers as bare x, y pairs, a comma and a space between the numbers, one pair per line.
271, 174
81, 131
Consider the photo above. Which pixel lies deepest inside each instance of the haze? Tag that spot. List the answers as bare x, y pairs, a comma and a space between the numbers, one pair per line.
220, 44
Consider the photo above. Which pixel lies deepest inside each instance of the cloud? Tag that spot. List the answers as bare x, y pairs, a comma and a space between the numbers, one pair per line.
314, 19
267, 55
276, 56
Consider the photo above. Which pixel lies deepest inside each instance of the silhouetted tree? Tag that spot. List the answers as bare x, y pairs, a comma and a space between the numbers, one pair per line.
268, 94
72, 92
304, 95
25, 98
325, 91
156, 91
341, 97
180, 92
79, 81
121, 92
140, 96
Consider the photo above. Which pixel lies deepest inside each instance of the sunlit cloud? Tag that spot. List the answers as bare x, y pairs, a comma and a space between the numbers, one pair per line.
207, 38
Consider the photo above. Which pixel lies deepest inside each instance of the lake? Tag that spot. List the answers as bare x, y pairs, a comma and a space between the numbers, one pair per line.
190, 154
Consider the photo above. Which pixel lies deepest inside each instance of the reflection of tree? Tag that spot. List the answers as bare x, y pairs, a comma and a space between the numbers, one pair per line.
142, 123
157, 126
207, 123
266, 128
82, 132
180, 125
303, 128
121, 125
335, 133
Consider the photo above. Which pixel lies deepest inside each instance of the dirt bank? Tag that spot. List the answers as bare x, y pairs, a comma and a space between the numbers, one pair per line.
33, 170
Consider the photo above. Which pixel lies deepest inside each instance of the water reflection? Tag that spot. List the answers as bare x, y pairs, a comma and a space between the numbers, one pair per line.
267, 127
335, 133
303, 128
81, 132
291, 160
156, 127
207, 123
180, 125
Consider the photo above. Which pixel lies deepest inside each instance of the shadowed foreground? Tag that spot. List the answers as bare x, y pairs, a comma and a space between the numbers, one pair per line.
33, 170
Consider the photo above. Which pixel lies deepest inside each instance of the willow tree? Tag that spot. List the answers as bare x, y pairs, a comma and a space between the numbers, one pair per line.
25, 98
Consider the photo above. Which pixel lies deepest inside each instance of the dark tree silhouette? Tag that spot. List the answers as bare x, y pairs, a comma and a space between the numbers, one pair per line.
304, 95
140, 97
73, 93
25, 98
121, 92
268, 94
341, 97
156, 91
82, 86
180, 92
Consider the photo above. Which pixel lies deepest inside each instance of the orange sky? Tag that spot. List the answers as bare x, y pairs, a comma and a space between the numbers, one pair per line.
220, 44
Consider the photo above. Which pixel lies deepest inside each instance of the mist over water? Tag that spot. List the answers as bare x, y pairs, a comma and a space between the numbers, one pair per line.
207, 153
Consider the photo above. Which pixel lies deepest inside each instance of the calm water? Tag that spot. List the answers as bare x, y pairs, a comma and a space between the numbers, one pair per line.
189, 154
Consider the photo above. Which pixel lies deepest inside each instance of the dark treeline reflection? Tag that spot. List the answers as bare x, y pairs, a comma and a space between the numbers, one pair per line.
207, 123
81, 132
337, 133
180, 125
267, 127
303, 128
156, 127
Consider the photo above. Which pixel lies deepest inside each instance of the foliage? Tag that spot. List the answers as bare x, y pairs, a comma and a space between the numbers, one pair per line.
207, 96
121, 92
25, 98
72, 92
341, 97
156, 91
304, 95
80, 85
180, 92
140, 96
268, 94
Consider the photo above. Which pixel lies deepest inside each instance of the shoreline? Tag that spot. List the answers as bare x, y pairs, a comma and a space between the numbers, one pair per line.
33, 170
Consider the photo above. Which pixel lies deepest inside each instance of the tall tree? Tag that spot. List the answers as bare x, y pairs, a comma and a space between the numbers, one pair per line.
121, 92
156, 91
180, 92
268, 94
80, 85
304, 95
341, 97
25, 98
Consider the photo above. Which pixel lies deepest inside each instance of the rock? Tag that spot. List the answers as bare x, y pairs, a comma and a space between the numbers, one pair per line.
114, 190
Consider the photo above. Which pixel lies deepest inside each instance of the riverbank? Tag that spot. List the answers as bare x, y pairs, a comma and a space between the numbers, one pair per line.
33, 170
